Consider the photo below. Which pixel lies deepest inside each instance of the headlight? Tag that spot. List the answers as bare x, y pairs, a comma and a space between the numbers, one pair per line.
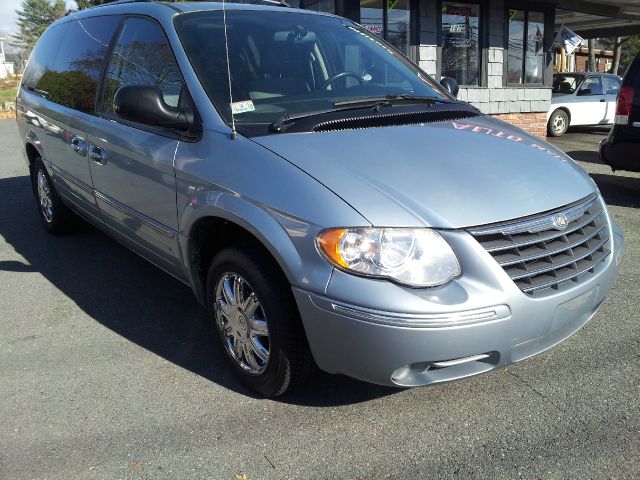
417, 257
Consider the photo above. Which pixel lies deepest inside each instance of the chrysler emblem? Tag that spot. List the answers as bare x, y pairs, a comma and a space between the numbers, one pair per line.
560, 221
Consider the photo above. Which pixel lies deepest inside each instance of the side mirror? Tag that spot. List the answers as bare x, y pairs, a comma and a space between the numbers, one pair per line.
450, 85
145, 104
584, 91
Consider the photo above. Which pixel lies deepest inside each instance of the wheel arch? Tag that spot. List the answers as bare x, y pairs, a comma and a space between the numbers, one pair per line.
565, 109
208, 230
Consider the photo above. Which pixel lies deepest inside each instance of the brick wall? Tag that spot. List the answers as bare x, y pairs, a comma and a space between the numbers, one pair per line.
534, 123
603, 63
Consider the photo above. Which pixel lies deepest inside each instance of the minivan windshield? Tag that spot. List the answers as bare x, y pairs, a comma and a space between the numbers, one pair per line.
294, 63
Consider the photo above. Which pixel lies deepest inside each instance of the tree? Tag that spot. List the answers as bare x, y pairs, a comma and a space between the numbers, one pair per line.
591, 66
34, 17
617, 45
82, 4
629, 52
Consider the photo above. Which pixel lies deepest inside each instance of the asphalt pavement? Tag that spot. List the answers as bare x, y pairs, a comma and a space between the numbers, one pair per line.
108, 371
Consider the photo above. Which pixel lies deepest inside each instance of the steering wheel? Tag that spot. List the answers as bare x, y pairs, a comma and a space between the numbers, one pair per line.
340, 75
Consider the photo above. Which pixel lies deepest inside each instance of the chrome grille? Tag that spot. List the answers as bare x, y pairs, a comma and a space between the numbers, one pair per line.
541, 257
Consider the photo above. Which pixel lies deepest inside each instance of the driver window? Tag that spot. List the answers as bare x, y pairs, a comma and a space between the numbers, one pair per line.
593, 84
369, 68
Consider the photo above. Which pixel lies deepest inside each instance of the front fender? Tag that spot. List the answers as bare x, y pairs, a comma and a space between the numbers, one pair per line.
283, 207
290, 240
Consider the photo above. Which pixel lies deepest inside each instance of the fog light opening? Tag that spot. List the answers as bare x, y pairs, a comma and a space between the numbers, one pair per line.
401, 373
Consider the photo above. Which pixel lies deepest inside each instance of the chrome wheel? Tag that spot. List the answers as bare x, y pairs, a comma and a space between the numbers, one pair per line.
559, 124
242, 323
44, 196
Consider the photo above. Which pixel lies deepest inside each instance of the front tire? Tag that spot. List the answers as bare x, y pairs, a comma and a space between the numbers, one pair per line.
55, 215
558, 123
257, 322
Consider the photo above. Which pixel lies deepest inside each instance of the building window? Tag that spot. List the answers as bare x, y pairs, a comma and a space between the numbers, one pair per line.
525, 51
460, 24
392, 23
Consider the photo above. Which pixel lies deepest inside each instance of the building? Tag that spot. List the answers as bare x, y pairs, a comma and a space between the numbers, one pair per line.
500, 51
6, 68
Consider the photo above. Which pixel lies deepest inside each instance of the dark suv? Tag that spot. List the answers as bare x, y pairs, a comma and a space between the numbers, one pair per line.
620, 148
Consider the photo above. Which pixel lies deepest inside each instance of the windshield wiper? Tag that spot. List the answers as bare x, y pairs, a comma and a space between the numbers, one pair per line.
280, 123
388, 100
374, 103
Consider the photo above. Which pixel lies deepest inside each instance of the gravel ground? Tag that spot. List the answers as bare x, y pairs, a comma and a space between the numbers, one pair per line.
107, 371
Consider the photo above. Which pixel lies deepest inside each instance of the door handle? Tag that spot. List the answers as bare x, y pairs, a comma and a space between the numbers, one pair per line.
79, 146
97, 154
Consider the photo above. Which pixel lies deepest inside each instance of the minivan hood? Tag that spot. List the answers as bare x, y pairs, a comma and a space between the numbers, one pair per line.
447, 174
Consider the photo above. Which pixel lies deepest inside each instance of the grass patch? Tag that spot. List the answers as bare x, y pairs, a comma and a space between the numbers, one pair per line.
7, 95
8, 89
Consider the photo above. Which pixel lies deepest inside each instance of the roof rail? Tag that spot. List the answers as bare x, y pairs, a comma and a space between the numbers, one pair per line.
115, 2
118, 2
281, 3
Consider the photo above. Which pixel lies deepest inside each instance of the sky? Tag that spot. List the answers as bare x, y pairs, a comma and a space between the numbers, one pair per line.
8, 16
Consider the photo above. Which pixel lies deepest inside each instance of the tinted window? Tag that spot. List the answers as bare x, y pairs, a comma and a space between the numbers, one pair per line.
534, 65
292, 63
142, 56
565, 83
460, 42
593, 84
632, 77
525, 52
515, 52
67, 65
42, 57
611, 85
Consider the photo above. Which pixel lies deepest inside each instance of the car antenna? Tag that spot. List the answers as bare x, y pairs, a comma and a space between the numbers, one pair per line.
234, 133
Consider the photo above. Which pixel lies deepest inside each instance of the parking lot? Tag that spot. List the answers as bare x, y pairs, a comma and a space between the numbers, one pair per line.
108, 370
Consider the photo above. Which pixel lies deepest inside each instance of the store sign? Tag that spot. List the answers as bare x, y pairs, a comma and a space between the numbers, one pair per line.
377, 29
457, 11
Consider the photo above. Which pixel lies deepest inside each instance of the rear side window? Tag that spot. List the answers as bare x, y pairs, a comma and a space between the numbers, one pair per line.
611, 85
142, 56
632, 77
69, 60
42, 58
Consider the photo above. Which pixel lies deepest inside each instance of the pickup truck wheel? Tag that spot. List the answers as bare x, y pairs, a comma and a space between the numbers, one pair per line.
56, 216
558, 123
257, 321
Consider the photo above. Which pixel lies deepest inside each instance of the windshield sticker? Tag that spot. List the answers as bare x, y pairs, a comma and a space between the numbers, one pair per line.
242, 107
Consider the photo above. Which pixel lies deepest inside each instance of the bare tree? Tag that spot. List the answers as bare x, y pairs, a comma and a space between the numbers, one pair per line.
591, 67
617, 52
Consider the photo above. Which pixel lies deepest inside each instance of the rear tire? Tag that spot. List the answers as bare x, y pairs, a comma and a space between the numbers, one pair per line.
55, 215
260, 332
558, 123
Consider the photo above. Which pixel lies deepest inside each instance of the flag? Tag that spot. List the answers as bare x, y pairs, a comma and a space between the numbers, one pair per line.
568, 39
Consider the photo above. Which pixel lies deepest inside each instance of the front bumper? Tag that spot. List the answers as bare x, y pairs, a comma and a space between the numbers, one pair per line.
471, 326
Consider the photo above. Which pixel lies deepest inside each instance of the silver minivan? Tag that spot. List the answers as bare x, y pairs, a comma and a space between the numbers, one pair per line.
327, 201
